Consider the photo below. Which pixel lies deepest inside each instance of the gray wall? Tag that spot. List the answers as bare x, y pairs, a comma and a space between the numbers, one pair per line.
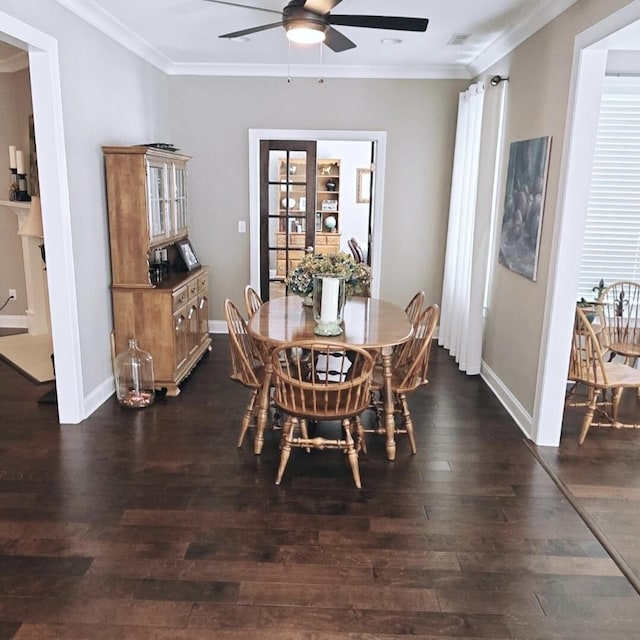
15, 106
211, 119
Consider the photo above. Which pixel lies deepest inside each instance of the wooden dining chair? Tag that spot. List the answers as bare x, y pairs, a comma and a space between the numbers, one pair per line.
618, 312
588, 367
413, 310
330, 383
247, 366
252, 300
407, 374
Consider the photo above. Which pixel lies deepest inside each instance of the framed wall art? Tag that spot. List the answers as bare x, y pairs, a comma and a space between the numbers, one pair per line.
187, 254
524, 205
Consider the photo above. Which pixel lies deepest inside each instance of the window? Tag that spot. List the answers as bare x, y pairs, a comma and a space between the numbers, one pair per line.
611, 248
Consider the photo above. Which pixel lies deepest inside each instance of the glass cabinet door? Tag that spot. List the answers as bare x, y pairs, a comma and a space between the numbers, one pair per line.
180, 198
157, 201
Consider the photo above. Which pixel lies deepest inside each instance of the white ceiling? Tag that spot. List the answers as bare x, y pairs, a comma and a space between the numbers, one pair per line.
181, 36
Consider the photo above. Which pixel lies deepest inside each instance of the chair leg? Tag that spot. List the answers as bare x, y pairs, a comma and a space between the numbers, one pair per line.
289, 427
362, 443
588, 416
304, 431
407, 421
616, 396
248, 415
351, 452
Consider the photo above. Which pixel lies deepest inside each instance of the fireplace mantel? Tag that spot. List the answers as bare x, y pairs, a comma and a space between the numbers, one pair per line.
30, 230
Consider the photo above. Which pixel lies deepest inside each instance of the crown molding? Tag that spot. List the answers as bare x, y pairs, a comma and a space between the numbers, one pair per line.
323, 71
15, 63
530, 22
97, 17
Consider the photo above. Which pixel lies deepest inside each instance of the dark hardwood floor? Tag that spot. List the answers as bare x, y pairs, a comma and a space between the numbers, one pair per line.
153, 525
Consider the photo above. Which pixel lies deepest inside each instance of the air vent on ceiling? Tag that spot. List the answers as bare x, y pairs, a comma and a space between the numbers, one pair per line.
458, 39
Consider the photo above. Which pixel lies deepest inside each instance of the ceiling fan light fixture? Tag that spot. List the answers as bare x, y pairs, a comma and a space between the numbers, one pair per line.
306, 32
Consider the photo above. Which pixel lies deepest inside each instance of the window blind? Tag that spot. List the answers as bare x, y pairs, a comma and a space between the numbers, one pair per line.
611, 248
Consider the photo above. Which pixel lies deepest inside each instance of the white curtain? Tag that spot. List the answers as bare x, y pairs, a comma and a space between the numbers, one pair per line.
462, 298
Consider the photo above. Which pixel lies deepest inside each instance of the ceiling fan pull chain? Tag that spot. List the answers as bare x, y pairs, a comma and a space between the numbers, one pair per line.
289, 62
320, 79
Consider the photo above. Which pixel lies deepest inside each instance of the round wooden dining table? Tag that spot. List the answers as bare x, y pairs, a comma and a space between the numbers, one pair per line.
374, 324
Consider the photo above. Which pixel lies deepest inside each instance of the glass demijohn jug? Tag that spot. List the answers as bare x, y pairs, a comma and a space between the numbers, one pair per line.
135, 385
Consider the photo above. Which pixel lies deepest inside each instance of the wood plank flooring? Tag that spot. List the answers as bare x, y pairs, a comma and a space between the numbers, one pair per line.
153, 525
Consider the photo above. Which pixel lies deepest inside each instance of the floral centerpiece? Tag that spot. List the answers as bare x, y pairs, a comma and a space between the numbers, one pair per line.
357, 275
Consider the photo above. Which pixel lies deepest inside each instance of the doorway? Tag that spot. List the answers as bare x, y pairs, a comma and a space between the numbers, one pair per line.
374, 142
56, 217
591, 50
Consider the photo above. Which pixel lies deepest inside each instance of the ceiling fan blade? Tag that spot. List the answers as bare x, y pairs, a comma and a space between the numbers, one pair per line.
321, 7
337, 42
380, 22
246, 32
244, 6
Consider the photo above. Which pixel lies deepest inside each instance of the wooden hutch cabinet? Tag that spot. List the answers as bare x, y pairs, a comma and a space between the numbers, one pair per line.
168, 315
327, 189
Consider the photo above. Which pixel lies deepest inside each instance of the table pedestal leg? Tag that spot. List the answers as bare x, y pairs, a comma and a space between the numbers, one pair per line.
263, 411
389, 422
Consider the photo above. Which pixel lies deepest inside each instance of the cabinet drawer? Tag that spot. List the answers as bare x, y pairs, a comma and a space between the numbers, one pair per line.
180, 297
203, 283
333, 239
192, 288
293, 255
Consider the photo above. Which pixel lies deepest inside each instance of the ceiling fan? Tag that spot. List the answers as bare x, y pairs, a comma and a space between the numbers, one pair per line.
311, 21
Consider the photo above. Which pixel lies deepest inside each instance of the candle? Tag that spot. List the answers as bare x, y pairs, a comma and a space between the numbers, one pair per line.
329, 303
20, 162
12, 156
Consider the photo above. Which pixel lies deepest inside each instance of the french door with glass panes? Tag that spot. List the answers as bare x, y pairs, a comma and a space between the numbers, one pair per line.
287, 210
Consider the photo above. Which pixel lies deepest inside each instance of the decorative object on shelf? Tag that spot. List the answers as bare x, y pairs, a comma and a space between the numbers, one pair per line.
288, 203
302, 203
331, 184
135, 384
292, 169
18, 177
357, 275
164, 146
187, 254
329, 296
329, 205
330, 223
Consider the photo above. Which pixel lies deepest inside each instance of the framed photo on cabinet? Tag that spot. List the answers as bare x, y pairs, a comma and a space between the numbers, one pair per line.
187, 254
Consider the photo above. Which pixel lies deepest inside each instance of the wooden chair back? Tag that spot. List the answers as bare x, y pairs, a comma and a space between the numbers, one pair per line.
619, 315
246, 359
586, 363
252, 300
416, 364
330, 381
414, 307
356, 249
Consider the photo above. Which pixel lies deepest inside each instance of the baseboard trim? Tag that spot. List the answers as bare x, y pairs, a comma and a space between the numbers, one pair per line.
523, 419
218, 326
98, 396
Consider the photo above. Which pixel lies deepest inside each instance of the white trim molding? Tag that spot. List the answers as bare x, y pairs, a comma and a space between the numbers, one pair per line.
520, 415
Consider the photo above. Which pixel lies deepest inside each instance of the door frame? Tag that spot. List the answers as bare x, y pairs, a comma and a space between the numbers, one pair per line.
587, 77
46, 98
380, 140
